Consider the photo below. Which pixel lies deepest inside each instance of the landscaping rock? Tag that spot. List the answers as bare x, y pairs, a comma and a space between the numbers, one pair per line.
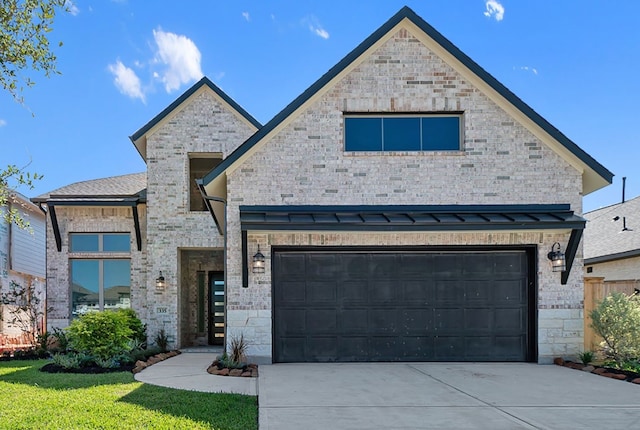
223, 372
600, 371
141, 364
235, 372
636, 381
246, 374
213, 370
588, 369
153, 360
559, 361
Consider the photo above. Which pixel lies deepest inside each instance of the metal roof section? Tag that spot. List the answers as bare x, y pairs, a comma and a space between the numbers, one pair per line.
139, 137
595, 175
116, 191
410, 218
450, 218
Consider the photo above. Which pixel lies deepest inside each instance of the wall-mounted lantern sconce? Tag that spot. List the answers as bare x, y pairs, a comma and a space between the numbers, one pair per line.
160, 284
258, 262
558, 262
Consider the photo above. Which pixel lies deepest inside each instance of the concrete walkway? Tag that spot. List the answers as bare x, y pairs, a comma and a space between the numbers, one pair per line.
359, 396
442, 396
188, 371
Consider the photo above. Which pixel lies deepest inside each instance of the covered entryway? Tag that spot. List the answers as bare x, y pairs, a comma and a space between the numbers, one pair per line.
420, 304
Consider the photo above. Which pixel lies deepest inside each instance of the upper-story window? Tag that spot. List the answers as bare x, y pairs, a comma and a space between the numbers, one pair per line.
433, 132
199, 165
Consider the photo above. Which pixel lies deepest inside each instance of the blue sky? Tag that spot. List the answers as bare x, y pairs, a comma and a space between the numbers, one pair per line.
122, 62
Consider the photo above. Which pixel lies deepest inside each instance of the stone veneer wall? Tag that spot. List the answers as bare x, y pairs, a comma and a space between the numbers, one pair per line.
501, 163
92, 220
201, 125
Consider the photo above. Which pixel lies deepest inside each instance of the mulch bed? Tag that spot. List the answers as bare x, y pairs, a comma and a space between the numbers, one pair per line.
246, 371
621, 375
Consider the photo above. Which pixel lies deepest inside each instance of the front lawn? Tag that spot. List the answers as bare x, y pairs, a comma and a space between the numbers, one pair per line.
31, 399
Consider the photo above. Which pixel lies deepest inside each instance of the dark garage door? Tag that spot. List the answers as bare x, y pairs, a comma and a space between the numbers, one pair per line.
401, 306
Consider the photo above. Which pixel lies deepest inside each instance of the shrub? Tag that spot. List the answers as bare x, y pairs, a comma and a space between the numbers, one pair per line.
66, 361
100, 334
586, 357
162, 340
238, 349
139, 330
617, 320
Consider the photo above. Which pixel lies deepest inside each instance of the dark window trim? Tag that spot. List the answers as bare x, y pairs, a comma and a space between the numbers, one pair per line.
419, 115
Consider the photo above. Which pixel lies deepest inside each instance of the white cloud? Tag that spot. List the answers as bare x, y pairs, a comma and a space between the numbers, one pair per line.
494, 9
2, 122
528, 69
315, 27
73, 9
126, 80
246, 16
180, 55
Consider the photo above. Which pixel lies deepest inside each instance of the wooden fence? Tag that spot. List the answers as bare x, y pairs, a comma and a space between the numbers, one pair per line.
595, 290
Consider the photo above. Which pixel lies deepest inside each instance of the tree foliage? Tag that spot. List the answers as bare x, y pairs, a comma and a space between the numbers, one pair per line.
11, 178
617, 320
25, 308
24, 46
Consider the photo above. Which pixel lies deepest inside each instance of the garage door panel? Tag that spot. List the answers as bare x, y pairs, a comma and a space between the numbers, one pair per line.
292, 292
352, 292
322, 348
450, 291
400, 306
354, 320
321, 321
382, 291
321, 292
354, 348
383, 266
415, 291
509, 291
416, 321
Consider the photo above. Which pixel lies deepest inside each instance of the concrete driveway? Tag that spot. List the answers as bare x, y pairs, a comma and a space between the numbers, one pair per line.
442, 396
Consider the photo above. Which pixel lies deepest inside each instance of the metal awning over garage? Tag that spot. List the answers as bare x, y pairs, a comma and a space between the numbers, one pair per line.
414, 218
410, 218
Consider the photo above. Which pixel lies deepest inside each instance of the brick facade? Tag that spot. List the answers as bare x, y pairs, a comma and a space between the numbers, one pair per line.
503, 161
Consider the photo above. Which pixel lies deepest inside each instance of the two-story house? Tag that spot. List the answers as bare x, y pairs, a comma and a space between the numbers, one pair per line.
405, 207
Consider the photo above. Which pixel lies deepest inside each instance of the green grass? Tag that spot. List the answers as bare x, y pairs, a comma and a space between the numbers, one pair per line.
30, 399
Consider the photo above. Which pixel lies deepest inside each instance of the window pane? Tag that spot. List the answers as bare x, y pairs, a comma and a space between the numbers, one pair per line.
401, 134
85, 279
441, 133
117, 284
84, 243
363, 134
198, 169
116, 243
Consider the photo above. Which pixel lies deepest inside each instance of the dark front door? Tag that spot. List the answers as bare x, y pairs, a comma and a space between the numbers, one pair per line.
216, 308
381, 305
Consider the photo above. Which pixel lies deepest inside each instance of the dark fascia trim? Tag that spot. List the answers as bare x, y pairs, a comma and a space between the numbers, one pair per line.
207, 201
611, 257
532, 208
406, 12
132, 202
570, 253
204, 81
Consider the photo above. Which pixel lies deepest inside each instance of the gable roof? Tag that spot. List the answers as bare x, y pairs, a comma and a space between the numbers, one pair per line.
605, 237
595, 175
139, 137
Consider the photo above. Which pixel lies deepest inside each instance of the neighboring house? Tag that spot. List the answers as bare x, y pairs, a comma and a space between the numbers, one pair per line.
22, 258
401, 209
612, 242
